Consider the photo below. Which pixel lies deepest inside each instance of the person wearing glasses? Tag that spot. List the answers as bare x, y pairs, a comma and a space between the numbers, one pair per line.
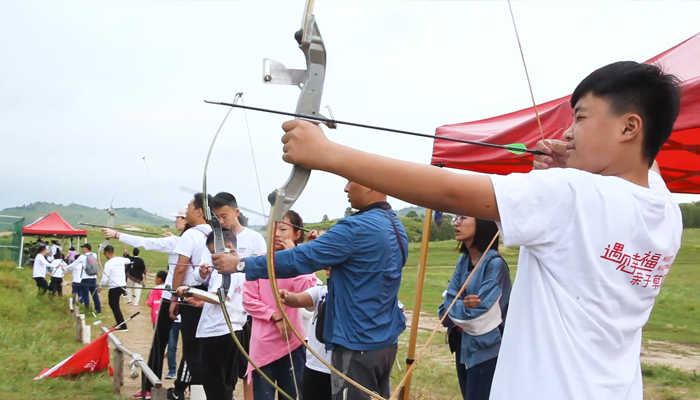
475, 324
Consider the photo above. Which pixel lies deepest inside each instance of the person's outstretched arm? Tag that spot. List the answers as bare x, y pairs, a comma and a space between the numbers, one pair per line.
306, 145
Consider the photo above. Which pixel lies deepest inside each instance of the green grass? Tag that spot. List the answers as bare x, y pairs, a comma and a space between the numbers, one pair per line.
36, 333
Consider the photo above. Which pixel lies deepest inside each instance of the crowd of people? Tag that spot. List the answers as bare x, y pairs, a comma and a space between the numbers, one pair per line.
569, 327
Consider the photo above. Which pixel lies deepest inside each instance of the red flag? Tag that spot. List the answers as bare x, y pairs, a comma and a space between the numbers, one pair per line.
91, 358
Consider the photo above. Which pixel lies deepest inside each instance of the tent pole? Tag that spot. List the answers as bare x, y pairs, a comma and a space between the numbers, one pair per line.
427, 222
21, 252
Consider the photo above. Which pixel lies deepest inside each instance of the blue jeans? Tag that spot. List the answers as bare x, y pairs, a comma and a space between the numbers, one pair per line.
172, 348
89, 286
477, 379
280, 372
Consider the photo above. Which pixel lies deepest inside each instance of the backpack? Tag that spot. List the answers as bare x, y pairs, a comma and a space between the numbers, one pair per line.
320, 318
91, 266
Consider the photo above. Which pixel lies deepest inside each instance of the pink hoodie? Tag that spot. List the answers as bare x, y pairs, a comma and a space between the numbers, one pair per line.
266, 343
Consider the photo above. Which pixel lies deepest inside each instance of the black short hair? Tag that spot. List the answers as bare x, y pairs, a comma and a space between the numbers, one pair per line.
295, 219
199, 200
109, 249
224, 199
640, 88
229, 237
87, 246
163, 275
483, 234
136, 251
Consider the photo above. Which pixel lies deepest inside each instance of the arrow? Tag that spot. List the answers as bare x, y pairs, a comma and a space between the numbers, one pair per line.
515, 148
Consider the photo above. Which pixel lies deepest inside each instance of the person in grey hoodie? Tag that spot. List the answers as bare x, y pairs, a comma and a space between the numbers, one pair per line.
476, 322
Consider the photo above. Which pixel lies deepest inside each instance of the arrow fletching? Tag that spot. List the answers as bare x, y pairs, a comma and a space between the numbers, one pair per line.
512, 146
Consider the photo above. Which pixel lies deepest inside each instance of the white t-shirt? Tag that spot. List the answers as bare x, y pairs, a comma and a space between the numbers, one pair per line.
77, 266
317, 293
57, 268
114, 273
165, 244
212, 322
40, 264
192, 244
594, 253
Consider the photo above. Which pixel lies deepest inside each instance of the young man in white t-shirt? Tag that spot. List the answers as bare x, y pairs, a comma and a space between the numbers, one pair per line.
249, 243
220, 357
190, 247
114, 275
597, 237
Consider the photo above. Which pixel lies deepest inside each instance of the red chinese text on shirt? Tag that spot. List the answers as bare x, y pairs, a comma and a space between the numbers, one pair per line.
640, 267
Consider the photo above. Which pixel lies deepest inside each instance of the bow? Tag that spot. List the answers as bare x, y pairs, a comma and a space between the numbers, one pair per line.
310, 81
220, 248
110, 224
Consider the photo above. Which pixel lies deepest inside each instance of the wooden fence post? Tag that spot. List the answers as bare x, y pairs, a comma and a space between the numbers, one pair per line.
79, 327
118, 370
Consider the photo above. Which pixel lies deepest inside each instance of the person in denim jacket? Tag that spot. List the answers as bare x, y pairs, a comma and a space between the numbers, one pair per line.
475, 324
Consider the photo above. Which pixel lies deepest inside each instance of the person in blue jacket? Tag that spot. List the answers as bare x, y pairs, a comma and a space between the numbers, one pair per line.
362, 323
475, 324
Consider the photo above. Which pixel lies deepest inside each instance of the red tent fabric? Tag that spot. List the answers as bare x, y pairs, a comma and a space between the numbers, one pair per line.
679, 158
52, 224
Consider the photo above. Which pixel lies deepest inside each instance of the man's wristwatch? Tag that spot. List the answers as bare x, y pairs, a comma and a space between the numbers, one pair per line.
241, 266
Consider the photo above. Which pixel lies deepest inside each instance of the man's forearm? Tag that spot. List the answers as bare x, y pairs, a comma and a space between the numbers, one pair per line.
429, 186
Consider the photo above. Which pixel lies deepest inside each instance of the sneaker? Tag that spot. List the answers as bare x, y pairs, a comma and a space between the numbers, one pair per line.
174, 394
136, 304
139, 395
170, 376
122, 330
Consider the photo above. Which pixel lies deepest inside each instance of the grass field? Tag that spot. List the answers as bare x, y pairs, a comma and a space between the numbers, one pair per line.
35, 333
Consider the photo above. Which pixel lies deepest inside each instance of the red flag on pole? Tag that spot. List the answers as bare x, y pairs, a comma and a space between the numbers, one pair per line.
91, 358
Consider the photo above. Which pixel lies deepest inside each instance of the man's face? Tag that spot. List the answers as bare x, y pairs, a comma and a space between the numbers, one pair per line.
227, 216
193, 215
357, 194
594, 137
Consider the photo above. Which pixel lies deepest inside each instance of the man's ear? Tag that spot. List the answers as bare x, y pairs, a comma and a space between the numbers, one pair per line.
632, 128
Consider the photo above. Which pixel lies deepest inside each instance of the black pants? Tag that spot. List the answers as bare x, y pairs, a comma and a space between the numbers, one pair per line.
219, 366
42, 285
56, 286
371, 369
479, 378
189, 372
315, 385
114, 295
161, 336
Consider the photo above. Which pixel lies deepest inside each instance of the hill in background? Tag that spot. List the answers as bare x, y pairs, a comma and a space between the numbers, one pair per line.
74, 213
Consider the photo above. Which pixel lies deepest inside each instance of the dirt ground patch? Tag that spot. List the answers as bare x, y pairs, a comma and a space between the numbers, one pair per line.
676, 355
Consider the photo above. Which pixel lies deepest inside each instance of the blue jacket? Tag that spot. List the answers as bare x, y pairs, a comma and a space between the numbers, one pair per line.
363, 250
492, 283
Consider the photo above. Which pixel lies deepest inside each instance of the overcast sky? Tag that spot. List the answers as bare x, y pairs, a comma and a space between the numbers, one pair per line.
87, 89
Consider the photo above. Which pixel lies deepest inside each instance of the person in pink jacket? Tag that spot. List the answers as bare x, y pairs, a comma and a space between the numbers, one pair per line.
154, 298
274, 348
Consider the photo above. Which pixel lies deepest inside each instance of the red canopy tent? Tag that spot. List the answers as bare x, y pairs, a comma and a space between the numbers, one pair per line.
52, 225
679, 159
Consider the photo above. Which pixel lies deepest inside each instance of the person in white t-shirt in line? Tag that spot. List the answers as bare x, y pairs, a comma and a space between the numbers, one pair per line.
316, 378
164, 324
220, 357
597, 226
85, 285
41, 266
249, 243
57, 272
115, 277
190, 249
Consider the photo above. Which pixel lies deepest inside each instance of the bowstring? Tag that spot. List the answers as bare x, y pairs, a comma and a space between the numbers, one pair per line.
527, 75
